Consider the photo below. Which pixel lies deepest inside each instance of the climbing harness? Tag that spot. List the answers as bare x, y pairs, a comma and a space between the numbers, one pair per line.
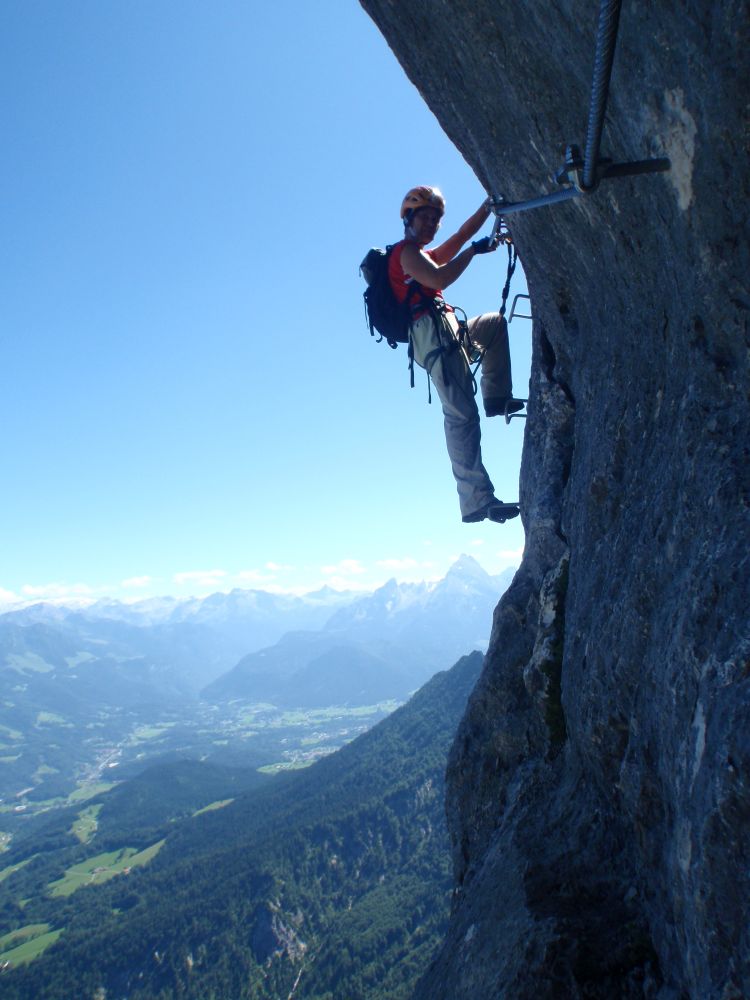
583, 173
449, 341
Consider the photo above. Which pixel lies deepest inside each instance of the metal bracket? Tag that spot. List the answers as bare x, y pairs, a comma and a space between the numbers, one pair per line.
571, 173
513, 308
511, 416
499, 232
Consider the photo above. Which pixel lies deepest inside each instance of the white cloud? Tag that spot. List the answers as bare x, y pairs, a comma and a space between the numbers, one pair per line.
477, 543
8, 597
67, 594
409, 570
270, 572
398, 564
298, 590
203, 577
344, 569
253, 576
136, 582
336, 582
57, 591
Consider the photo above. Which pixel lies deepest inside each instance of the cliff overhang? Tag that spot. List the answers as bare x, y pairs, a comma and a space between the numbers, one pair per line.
598, 788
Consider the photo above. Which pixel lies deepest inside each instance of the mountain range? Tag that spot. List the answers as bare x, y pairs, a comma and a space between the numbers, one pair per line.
78, 682
224, 627
166, 649
383, 645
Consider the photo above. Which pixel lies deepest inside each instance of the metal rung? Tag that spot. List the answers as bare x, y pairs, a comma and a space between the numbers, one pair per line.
510, 416
513, 308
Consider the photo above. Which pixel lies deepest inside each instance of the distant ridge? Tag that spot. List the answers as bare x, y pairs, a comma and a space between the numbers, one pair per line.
383, 645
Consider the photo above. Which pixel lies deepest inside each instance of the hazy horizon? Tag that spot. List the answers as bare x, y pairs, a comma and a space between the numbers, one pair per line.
404, 574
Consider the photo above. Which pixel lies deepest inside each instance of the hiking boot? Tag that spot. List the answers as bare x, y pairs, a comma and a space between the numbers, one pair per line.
502, 407
495, 510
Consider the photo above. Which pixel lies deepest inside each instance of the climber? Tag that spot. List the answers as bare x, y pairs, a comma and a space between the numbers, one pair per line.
444, 346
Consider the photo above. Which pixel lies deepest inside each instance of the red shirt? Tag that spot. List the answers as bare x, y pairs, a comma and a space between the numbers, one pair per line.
404, 286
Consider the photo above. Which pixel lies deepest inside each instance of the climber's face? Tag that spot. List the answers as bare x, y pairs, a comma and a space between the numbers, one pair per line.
424, 224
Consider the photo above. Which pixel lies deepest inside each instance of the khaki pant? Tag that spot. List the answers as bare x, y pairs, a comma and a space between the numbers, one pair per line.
436, 349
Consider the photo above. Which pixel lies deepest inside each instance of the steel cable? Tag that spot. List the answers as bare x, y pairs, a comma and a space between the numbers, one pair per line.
587, 169
606, 37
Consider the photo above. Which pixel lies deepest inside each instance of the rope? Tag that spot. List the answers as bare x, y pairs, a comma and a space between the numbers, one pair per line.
499, 231
512, 261
606, 37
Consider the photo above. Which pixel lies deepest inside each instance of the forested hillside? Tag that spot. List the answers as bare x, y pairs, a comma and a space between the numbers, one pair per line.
336, 878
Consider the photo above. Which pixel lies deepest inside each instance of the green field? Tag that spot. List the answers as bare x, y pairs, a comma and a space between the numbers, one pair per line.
44, 770
145, 734
213, 805
313, 716
26, 943
101, 868
28, 662
51, 719
5, 872
295, 765
85, 826
84, 792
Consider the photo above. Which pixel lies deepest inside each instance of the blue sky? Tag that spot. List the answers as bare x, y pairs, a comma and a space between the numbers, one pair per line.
190, 399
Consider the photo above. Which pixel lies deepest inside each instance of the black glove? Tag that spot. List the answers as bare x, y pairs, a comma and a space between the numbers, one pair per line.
485, 245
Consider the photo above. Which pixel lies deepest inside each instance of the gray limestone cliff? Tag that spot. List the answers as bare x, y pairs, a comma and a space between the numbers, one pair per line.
599, 786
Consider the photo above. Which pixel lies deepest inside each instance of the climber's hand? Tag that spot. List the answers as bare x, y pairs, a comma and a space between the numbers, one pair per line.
485, 245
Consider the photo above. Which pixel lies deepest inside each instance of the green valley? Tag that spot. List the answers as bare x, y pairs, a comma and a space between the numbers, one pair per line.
202, 879
243, 734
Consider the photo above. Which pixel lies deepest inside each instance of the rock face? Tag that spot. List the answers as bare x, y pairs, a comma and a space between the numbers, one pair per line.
598, 798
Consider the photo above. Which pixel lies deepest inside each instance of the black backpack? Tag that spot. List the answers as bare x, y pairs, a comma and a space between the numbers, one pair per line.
383, 311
